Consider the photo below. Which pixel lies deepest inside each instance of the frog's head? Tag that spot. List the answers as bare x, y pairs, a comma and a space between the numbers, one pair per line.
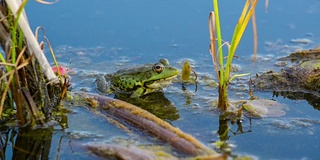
159, 75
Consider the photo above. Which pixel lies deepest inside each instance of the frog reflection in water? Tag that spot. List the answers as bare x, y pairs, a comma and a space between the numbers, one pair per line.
140, 86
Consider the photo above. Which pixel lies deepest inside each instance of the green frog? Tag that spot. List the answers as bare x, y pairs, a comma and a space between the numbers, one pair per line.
138, 81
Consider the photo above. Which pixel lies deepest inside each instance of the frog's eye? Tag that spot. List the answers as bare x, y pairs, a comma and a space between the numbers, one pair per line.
158, 67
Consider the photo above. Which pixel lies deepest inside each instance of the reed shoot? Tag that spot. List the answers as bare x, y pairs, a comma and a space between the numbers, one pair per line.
222, 67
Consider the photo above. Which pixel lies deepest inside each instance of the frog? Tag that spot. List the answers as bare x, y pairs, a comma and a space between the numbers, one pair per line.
138, 81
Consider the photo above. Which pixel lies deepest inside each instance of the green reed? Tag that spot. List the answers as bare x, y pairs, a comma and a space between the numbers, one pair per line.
222, 66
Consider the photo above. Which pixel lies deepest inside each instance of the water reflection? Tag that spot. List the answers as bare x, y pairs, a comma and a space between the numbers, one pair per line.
156, 103
225, 132
137, 35
224, 128
310, 98
187, 94
26, 143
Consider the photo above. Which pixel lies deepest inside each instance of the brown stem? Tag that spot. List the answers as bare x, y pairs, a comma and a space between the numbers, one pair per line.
223, 97
18, 98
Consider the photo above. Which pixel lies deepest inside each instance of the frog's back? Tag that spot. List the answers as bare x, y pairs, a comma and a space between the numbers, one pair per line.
124, 82
128, 79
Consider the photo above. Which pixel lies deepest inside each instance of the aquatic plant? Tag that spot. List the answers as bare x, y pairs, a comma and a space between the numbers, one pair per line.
26, 77
186, 73
222, 67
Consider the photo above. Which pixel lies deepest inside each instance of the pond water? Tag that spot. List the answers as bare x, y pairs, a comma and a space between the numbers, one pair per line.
102, 36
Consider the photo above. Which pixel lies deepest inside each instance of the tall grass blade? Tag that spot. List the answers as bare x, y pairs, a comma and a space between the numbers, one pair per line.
51, 50
239, 30
219, 39
266, 6
14, 31
238, 75
213, 47
255, 33
222, 71
34, 46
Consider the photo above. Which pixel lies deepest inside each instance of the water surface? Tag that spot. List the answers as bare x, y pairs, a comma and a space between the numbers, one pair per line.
101, 36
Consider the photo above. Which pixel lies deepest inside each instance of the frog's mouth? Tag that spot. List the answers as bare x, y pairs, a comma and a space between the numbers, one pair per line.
161, 83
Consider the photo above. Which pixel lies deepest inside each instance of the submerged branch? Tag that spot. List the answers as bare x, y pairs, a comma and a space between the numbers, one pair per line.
146, 121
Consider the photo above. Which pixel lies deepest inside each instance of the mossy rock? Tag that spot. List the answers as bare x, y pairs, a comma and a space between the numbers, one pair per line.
302, 77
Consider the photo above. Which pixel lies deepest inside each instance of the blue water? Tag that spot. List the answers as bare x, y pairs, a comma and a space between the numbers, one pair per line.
153, 27
125, 32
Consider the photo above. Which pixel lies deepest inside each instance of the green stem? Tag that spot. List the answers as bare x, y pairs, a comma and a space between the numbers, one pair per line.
219, 39
14, 31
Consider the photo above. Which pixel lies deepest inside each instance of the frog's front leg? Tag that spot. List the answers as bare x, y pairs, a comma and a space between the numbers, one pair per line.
137, 93
103, 85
